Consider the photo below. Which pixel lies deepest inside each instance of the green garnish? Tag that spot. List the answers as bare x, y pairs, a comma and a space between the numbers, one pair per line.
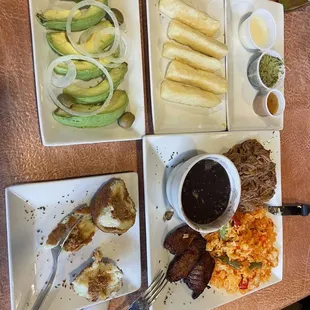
233, 263
223, 232
270, 68
255, 265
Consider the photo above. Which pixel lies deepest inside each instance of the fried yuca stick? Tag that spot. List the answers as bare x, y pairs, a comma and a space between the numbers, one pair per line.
188, 95
185, 74
188, 15
190, 57
196, 40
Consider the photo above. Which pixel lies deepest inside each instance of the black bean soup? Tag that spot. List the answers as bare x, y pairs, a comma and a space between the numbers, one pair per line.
205, 192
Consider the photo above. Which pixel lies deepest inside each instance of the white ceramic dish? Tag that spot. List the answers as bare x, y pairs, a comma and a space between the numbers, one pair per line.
175, 184
254, 76
172, 117
160, 153
27, 227
240, 113
246, 37
54, 133
261, 103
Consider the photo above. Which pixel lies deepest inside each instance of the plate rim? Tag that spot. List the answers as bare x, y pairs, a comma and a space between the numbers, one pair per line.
10, 189
34, 46
156, 129
147, 141
230, 123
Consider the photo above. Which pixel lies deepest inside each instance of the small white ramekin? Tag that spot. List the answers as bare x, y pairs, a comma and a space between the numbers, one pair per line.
245, 34
253, 71
175, 184
260, 105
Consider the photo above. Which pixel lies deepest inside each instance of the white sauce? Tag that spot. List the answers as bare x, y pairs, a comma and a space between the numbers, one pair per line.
259, 31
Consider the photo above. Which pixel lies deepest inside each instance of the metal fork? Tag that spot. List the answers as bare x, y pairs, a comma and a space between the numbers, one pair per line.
151, 294
55, 252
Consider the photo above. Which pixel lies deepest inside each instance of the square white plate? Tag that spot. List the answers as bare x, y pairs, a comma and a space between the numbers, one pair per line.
172, 117
160, 153
240, 114
54, 133
33, 211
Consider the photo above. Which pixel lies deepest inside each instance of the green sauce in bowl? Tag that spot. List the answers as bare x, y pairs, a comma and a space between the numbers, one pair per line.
270, 70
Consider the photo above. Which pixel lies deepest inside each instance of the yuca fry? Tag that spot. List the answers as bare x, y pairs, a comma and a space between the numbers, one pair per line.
190, 57
201, 21
196, 40
185, 74
189, 95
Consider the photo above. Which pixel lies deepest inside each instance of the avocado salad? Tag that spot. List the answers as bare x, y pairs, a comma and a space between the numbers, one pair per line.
96, 27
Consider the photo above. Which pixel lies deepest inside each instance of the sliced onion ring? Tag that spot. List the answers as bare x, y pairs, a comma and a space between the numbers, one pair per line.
108, 11
68, 78
124, 47
50, 91
85, 36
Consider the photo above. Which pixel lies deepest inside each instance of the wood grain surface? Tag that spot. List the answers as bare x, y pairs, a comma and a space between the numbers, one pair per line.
24, 159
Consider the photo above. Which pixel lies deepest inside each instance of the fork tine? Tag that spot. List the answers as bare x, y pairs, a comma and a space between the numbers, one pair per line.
154, 296
154, 290
153, 284
68, 232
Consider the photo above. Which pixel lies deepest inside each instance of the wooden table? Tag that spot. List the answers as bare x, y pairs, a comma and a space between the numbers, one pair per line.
24, 159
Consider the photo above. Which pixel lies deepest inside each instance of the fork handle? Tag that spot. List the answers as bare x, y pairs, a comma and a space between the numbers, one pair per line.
139, 304
44, 292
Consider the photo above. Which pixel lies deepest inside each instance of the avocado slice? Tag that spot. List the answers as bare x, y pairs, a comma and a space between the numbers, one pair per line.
105, 40
59, 42
85, 71
82, 19
109, 115
100, 92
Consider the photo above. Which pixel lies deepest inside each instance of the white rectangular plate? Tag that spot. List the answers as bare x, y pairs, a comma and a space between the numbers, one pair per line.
160, 153
28, 225
173, 117
54, 133
241, 115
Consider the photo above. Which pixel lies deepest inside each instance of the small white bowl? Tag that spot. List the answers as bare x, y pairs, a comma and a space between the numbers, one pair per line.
175, 184
254, 76
245, 34
260, 105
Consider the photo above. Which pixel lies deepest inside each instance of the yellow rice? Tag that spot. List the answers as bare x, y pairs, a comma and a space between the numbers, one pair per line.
252, 241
